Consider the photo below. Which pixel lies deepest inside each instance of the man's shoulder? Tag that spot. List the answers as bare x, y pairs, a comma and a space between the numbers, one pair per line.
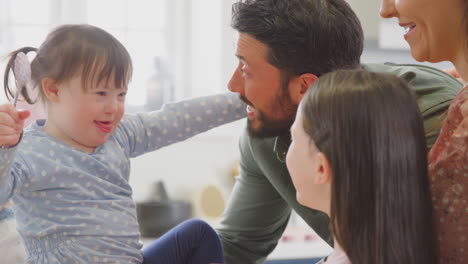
421, 74
434, 90
432, 86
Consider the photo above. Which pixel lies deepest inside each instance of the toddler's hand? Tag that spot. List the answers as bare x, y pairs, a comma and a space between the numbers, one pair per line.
11, 124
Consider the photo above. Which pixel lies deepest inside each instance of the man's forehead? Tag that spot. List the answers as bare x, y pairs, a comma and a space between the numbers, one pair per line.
248, 48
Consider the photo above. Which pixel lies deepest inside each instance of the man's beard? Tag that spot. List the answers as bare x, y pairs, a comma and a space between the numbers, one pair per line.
272, 127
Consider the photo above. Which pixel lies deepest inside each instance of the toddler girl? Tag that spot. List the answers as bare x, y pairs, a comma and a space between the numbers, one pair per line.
68, 175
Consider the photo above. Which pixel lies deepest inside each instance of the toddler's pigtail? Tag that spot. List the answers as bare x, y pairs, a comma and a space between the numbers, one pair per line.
9, 92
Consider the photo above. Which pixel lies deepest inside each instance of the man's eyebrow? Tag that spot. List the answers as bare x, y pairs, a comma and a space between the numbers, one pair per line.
241, 58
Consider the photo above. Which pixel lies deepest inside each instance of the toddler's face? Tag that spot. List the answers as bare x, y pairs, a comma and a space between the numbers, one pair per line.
85, 119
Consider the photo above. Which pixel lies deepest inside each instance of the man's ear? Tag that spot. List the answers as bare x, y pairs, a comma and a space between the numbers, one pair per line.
324, 171
50, 88
302, 84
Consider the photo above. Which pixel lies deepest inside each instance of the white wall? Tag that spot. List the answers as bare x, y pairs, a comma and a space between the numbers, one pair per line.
368, 13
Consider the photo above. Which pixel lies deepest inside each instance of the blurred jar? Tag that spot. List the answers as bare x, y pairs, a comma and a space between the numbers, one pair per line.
159, 87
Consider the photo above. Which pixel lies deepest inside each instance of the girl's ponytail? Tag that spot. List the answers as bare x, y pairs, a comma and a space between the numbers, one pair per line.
10, 93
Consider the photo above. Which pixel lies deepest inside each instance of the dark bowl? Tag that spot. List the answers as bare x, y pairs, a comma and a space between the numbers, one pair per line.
156, 218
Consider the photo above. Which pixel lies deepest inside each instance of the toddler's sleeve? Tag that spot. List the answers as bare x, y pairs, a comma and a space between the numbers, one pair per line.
10, 174
178, 121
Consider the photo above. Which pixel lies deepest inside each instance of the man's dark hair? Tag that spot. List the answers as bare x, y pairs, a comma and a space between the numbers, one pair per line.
303, 36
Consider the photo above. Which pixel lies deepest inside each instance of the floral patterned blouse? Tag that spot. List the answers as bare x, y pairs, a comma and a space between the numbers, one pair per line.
448, 172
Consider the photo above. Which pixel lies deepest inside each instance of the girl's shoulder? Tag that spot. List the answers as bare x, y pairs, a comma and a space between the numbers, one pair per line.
35, 138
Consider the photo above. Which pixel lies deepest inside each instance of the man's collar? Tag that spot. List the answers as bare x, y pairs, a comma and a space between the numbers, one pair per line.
281, 146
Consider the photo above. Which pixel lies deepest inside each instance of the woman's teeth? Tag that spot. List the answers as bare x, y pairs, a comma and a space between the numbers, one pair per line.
409, 27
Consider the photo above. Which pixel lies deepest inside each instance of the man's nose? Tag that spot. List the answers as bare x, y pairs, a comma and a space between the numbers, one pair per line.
236, 83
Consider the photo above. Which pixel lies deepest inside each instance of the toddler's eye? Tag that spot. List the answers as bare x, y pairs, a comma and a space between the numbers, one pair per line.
101, 93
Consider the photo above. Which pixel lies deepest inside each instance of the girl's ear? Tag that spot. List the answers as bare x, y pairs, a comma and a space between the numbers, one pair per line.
324, 172
50, 88
301, 86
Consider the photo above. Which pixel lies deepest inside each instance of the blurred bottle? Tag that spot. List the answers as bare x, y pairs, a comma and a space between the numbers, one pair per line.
159, 87
158, 192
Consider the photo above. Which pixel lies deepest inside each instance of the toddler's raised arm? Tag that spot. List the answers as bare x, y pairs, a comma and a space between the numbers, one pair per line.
178, 121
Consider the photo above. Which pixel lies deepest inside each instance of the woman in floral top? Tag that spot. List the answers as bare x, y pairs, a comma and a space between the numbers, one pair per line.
438, 31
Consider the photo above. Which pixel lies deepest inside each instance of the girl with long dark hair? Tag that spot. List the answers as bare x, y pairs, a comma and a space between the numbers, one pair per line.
358, 153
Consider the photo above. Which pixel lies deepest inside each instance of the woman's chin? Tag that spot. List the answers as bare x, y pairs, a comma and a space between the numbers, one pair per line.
418, 55
424, 55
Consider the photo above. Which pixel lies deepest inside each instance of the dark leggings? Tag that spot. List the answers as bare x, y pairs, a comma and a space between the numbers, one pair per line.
191, 242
